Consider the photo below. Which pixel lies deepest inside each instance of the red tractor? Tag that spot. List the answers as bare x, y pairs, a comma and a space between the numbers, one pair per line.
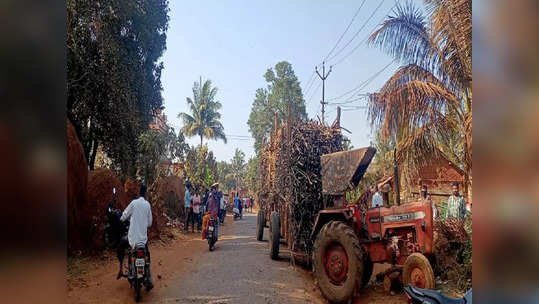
347, 240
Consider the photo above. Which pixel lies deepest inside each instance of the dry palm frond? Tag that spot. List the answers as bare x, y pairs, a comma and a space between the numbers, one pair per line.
452, 32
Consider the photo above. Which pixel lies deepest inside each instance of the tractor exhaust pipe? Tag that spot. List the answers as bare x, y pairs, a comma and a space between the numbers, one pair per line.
396, 174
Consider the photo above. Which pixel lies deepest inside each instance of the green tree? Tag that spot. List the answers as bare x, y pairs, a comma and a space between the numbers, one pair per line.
225, 177
251, 175
283, 90
204, 120
427, 104
155, 147
237, 165
152, 147
200, 166
114, 74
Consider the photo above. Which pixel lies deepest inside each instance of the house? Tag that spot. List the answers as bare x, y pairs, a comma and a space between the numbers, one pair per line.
437, 176
159, 121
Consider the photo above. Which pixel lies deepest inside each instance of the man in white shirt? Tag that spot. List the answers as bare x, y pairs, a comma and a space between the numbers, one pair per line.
377, 198
139, 214
222, 212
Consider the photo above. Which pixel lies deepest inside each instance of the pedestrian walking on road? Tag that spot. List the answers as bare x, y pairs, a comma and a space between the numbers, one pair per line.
196, 210
188, 209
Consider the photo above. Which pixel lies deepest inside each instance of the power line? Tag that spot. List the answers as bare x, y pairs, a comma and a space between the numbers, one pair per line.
309, 84
364, 83
357, 33
345, 31
365, 39
312, 95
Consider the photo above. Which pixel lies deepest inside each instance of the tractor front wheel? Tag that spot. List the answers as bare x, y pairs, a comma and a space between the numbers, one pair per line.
418, 272
337, 262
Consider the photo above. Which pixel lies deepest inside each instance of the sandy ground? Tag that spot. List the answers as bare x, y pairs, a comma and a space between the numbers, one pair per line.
239, 270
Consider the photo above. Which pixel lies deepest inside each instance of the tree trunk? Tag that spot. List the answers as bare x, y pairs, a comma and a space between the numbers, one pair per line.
93, 155
201, 140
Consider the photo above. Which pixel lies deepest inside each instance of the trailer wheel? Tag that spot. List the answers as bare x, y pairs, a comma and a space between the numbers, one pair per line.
337, 262
274, 235
260, 225
418, 272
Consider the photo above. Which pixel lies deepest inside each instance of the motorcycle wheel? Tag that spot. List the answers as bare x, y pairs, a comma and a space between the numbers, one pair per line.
211, 242
106, 238
138, 286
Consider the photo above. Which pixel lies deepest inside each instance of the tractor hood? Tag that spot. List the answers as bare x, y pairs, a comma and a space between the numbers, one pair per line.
342, 171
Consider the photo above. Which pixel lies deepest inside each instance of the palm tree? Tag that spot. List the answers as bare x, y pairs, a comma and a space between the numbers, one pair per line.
426, 106
205, 116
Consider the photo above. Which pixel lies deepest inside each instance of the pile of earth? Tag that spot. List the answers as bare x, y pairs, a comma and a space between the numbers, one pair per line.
100, 184
166, 198
90, 192
132, 189
77, 180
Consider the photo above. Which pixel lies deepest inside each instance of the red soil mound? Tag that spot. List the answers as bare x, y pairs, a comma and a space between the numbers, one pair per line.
77, 179
166, 198
132, 189
100, 184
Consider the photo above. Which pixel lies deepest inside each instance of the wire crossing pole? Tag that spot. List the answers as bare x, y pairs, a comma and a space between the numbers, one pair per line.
323, 77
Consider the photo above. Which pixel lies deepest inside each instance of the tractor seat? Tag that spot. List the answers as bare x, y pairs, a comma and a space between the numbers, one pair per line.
436, 295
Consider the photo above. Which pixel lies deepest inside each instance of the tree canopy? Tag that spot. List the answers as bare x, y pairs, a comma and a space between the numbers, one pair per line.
204, 120
282, 90
114, 74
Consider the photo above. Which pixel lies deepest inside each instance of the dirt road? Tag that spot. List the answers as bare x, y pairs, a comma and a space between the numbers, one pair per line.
239, 270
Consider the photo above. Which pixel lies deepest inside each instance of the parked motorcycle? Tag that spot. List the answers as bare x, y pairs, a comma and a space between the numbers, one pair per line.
138, 272
418, 295
114, 228
211, 235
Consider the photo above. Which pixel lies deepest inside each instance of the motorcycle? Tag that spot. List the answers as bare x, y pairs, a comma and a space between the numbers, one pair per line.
210, 234
418, 295
138, 272
114, 228
237, 213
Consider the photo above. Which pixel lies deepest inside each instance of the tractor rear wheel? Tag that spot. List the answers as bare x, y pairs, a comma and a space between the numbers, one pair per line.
260, 225
274, 235
418, 272
337, 262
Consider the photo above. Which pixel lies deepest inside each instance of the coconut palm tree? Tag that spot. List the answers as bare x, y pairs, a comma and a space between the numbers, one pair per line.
426, 106
204, 120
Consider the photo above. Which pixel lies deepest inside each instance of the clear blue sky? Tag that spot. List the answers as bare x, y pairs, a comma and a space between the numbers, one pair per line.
233, 43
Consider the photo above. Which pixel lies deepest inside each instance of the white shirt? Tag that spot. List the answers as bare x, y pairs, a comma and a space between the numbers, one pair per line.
139, 213
377, 200
223, 203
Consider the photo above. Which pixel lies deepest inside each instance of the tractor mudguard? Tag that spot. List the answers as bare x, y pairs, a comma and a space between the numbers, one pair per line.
325, 216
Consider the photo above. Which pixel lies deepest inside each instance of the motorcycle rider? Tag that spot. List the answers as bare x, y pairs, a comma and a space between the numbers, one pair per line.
139, 213
213, 207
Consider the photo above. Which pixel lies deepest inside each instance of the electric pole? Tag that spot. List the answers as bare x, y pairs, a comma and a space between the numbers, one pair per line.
323, 77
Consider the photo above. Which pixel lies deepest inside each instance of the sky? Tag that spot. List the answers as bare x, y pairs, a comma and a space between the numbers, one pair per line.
233, 43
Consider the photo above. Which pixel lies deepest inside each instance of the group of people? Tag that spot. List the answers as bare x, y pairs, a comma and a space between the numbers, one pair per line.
243, 203
456, 205
196, 205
